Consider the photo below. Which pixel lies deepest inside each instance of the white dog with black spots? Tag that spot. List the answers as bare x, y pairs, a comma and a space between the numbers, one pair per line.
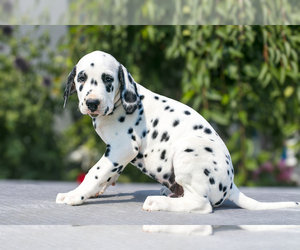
165, 139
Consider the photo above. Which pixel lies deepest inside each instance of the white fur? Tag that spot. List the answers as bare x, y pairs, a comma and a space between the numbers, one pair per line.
165, 139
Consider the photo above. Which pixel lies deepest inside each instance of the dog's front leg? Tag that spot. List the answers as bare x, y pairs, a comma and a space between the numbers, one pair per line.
100, 176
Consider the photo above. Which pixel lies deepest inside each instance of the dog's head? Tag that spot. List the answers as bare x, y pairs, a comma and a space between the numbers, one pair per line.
100, 82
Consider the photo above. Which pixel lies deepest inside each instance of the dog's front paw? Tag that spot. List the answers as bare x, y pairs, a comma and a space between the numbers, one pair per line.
69, 198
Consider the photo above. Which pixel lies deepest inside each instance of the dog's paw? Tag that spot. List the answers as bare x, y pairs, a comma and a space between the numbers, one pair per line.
69, 198
152, 204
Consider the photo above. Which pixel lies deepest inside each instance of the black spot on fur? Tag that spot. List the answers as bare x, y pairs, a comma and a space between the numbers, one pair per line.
197, 127
224, 188
133, 138
206, 172
220, 186
81, 87
98, 168
144, 170
171, 110
165, 137
208, 149
145, 155
139, 156
231, 186
227, 162
207, 131
175, 123
154, 134
172, 177
130, 130
122, 119
164, 101
82, 198
134, 160
156, 97
165, 176
152, 176
141, 112
225, 194
106, 110
114, 169
108, 180
107, 151
155, 123
219, 202
138, 121
140, 165
212, 181
144, 133
163, 154
88, 92
166, 108
130, 97
92, 64
96, 177
187, 112
214, 162
228, 172
116, 164
189, 150
159, 169
142, 97
136, 148
297, 203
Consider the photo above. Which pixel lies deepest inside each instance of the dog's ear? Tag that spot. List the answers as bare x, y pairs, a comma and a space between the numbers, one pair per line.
71, 88
128, 91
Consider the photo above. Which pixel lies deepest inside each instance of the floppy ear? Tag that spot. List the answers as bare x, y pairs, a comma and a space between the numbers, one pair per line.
71, 88
128, 91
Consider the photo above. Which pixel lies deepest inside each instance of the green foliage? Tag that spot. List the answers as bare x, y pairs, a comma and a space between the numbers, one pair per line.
28, 145
243, 79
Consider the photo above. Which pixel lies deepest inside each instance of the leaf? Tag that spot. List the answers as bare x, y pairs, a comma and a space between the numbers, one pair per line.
243, 117
251, 164
298, 93
287, 47
225, 99
282, 75
220, 118
288, 91
267, 80
187, 96
263, 71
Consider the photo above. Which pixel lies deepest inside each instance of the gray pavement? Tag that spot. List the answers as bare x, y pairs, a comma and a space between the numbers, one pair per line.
30, 219
33, 203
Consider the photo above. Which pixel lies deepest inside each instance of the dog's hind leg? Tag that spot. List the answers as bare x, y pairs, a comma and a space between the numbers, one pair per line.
190, 202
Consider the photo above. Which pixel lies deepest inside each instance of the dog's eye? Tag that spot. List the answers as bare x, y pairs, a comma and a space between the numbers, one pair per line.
107, 78
81, 77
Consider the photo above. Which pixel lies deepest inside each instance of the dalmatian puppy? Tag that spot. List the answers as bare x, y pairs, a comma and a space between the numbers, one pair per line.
165, 139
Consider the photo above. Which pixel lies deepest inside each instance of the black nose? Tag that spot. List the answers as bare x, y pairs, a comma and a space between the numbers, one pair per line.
92, 104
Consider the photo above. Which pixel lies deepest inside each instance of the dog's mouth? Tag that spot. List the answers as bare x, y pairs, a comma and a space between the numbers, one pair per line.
93, 115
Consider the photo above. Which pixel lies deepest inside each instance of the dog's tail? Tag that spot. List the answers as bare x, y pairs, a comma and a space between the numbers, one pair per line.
241, 200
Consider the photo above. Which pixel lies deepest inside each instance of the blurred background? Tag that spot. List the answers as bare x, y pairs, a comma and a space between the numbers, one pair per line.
243, 79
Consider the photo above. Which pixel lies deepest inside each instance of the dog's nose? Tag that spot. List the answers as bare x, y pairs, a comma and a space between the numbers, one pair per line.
92, 104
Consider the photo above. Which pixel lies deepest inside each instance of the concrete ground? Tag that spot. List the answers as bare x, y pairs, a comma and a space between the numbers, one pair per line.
30, 218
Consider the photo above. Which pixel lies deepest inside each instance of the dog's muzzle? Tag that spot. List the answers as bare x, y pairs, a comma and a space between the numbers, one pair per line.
92, 104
